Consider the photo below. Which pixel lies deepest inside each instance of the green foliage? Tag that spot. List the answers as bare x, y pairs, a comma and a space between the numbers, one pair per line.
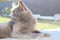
6, 10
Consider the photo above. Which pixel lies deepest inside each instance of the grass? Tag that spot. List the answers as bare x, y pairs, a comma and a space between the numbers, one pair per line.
4, 19
41, 24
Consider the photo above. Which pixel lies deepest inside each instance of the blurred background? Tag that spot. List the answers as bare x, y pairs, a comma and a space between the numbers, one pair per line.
47, 12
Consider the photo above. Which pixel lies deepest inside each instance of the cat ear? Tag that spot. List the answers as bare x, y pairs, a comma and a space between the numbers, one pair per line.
20, 4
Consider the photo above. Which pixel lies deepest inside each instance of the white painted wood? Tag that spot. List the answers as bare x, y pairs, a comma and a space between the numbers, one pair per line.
57, 17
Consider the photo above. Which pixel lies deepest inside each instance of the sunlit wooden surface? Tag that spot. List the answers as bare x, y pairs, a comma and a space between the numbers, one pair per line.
55, 35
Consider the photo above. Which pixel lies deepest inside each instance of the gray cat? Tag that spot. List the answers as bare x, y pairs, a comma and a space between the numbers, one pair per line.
22, 23
23, 18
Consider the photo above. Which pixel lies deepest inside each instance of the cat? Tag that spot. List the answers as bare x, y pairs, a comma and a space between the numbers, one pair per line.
24, 20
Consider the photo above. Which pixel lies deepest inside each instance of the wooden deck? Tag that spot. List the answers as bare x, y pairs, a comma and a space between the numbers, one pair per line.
54, 35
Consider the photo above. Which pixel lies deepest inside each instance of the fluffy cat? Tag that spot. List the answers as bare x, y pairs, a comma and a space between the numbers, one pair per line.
23, 18
25, 22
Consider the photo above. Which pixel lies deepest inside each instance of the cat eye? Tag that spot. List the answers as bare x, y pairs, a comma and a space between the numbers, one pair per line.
15, 15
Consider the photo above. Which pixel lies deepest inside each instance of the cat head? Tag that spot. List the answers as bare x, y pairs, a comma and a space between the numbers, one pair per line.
18, 10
